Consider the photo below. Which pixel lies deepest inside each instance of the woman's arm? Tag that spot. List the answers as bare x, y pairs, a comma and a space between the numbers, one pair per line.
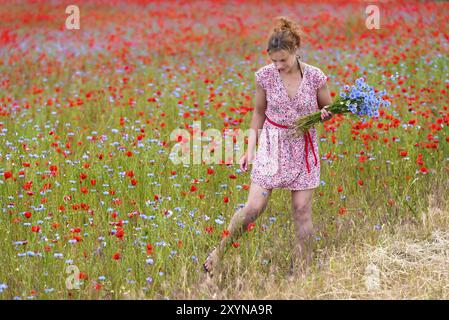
324, 99
258, 118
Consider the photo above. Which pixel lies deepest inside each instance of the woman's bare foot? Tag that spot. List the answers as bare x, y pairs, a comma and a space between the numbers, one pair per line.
211, 261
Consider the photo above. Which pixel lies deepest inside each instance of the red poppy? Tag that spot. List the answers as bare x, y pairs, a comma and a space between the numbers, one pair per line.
27, 214
119, 223
120, 233
27, 185
419, 160
116, 256
7, 174
82, 276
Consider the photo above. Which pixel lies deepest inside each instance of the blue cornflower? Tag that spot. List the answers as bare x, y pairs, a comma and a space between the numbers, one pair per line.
352, 96
3, 287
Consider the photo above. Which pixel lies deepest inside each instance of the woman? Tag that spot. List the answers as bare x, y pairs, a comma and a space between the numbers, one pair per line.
285, 90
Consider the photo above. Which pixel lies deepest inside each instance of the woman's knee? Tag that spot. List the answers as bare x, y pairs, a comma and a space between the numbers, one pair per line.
253, 211
302, 210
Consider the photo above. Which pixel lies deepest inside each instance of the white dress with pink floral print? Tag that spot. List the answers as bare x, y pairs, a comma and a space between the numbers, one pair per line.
282, 161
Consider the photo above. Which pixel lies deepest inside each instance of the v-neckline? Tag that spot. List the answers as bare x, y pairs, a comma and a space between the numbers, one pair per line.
285, 88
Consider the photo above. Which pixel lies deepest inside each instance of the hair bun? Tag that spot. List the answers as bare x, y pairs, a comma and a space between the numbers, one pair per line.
285, 34
282, 23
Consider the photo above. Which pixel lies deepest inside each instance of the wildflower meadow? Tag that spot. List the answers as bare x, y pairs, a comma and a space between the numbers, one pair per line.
97, 100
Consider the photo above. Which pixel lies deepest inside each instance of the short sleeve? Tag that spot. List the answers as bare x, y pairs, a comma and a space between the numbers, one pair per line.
260, 78
320, 79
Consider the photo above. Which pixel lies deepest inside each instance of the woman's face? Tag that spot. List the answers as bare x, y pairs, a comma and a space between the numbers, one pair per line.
283, 60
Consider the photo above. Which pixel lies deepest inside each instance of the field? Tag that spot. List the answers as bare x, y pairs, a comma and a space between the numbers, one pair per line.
93, 207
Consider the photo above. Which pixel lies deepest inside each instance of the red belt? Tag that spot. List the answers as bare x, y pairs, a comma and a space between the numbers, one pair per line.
307, 138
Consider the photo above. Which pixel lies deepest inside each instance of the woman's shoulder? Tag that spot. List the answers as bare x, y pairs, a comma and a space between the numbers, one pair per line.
314, 69
265, 70
318, 77
265, 76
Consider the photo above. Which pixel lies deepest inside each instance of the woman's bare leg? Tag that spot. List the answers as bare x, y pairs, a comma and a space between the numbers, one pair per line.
255, 205
302, 217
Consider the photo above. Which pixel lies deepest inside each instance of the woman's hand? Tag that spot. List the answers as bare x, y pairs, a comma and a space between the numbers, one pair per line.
246, 159
325, 115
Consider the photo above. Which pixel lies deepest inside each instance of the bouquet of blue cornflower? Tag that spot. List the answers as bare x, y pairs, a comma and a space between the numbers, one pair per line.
359, 99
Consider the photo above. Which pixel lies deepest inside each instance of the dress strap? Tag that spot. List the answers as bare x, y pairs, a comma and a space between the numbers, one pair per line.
299, 66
